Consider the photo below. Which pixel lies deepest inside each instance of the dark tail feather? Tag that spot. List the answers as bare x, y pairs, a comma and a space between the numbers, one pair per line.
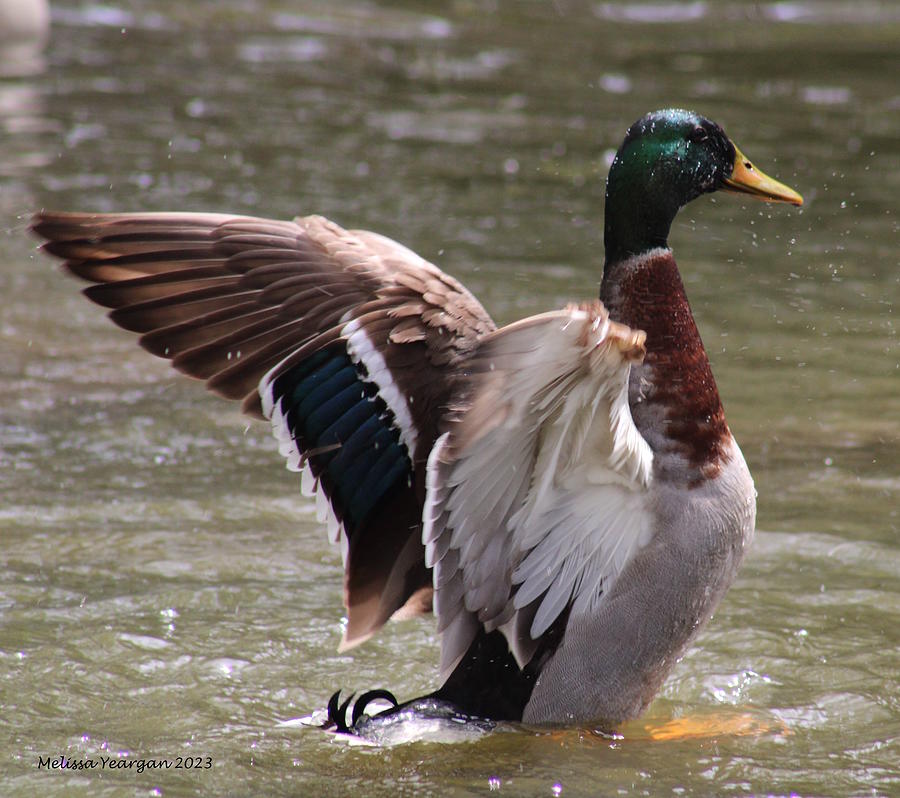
367, 698
337, 714
337, 711
488, 682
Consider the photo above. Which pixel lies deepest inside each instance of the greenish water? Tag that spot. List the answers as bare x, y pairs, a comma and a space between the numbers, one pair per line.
165, 590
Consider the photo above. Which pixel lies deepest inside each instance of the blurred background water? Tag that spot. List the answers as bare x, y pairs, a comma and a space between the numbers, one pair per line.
165, 590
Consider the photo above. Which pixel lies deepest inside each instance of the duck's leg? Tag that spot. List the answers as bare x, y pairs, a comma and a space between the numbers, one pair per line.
718, 724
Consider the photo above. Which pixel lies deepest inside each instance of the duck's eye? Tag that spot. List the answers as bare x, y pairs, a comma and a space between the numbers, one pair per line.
697, 135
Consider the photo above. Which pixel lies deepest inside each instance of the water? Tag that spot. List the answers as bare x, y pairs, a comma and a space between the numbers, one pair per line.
165, 590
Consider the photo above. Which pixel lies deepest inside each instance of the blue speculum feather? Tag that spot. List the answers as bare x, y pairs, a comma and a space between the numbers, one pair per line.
335, 413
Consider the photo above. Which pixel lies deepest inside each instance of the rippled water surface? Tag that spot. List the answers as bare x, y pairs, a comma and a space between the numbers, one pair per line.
165, 590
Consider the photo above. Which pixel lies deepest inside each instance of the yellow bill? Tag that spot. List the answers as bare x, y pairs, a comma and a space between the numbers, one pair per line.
747, 179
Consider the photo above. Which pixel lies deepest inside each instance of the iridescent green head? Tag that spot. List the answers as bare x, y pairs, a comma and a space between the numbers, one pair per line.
669, 158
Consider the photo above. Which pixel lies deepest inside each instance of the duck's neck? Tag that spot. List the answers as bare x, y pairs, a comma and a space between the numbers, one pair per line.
641, 202
633, 226
673, 396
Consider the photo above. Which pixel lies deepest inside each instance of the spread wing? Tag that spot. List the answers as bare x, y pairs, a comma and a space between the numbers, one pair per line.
346, 340
537, 494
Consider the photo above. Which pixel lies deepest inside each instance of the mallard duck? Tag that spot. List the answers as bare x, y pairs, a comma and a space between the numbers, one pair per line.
564, 491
